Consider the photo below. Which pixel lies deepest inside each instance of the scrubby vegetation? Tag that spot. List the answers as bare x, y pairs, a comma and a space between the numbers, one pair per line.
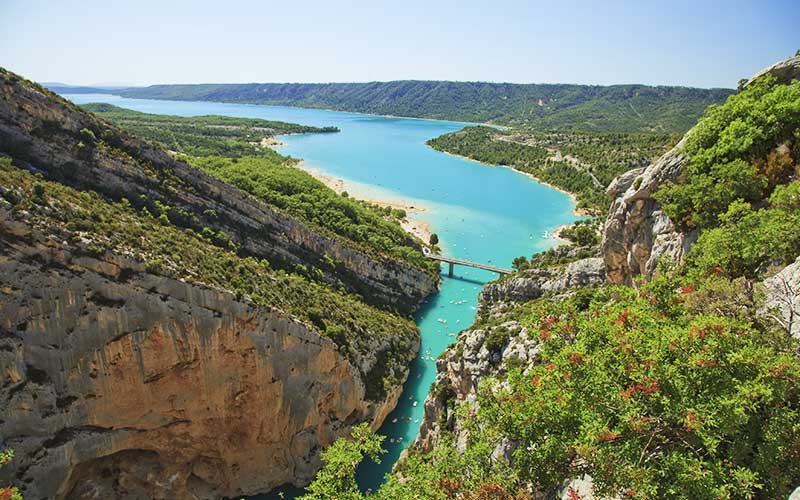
735, 192
674, 390
201, 135
580, 163
231, 149
8, 492
617, 108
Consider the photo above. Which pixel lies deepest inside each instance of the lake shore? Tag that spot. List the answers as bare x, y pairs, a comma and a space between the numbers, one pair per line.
414, 226
580, 212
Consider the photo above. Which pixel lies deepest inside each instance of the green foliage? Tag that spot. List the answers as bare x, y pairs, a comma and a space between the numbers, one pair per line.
735, 192
584, 165
336, 479
434, 239
748, 240
653, 399
733, 154
617, 108
519, 263
497, 339
8, 492
583, 233
671, 391
201, 135
299, 194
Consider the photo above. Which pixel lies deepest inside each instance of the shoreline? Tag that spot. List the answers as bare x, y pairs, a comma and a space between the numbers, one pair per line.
416, 227
299, 107
578, 212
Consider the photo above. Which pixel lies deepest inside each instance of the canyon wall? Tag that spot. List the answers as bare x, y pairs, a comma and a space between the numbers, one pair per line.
118, 382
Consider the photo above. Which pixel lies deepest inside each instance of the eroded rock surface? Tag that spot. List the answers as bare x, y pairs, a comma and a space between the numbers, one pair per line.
783, 298
117, 382
533, 283
637, 233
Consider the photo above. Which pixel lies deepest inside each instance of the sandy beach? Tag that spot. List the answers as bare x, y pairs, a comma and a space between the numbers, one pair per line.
267, 142
411, 225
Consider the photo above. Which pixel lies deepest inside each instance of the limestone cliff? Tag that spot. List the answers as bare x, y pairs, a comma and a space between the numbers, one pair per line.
474, 357
637, 233
120, 382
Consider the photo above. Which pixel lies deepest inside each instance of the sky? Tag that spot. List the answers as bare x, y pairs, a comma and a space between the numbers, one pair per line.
694, 43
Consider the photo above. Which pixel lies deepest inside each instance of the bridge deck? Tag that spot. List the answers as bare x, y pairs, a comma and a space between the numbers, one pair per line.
461, 262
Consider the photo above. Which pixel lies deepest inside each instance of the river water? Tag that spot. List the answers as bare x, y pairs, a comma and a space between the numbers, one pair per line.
481, 213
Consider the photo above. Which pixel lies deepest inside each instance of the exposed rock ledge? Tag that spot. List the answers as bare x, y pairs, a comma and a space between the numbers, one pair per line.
468, 361
637, 233
118, 383
533, 283
783, 298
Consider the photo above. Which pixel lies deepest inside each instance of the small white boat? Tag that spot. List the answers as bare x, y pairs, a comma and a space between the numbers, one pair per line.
394, 420
414, 404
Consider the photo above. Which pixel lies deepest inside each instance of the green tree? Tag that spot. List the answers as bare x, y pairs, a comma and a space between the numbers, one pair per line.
653, 396
434, 239
337, 478
732, 154
519, 263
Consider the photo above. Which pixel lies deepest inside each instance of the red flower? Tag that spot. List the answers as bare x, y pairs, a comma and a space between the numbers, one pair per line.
573, 495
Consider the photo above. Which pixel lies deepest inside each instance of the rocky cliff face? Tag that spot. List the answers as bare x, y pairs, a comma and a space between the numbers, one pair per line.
533, 283
51, 136
637, 233
472, 358
783, 298
120, 383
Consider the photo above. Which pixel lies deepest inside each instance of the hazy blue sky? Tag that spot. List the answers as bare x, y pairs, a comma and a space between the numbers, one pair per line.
697, 42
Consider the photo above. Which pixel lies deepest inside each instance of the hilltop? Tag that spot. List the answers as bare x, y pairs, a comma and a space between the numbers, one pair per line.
615, 108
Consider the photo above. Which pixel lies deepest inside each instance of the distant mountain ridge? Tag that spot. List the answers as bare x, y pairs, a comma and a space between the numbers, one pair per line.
615, 108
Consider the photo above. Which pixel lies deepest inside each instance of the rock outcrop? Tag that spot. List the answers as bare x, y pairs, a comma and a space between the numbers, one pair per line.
120, 383
533, 283
459, 371
474, 357
783, 298
637, 233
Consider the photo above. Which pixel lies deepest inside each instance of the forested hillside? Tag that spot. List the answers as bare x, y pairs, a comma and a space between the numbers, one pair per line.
616, 108
580, 163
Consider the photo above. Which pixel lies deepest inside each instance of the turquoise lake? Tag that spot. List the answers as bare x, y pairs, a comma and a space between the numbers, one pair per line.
481, 213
